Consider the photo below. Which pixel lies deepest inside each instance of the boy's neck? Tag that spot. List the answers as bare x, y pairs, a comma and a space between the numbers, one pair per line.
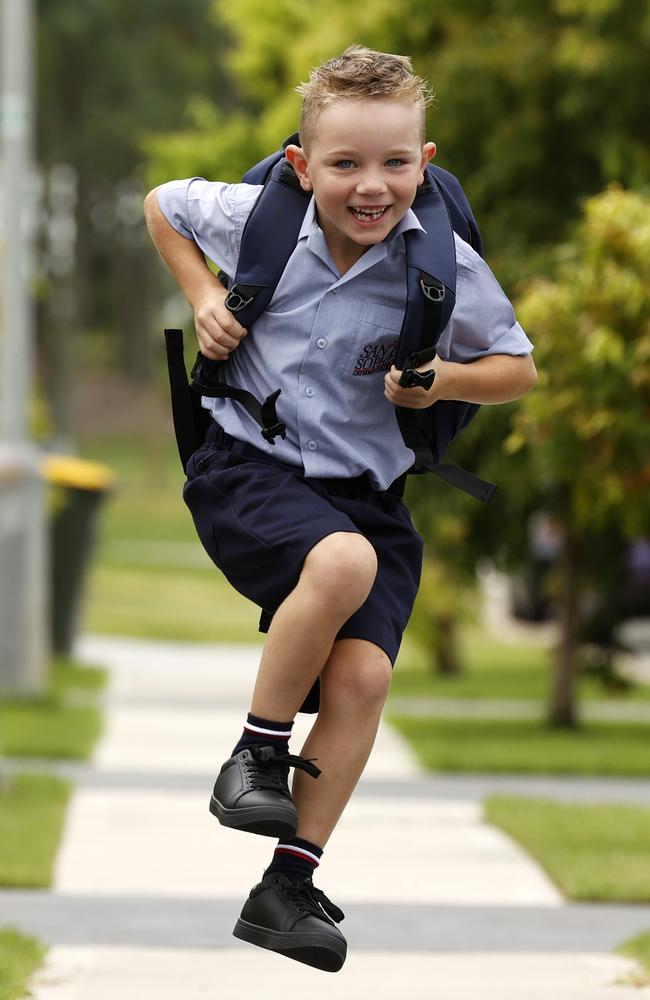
344, 260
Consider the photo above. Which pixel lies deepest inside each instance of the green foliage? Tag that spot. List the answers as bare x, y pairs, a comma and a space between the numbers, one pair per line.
537, 105
91, 111
213, 145
20, 956
592, 851
585, 427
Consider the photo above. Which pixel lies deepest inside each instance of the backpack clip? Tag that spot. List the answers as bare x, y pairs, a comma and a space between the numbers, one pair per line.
272, 425
238, 297
268, 433
432, 289
410, 378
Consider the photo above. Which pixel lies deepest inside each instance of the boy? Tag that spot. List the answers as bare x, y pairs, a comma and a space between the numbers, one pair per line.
310, 526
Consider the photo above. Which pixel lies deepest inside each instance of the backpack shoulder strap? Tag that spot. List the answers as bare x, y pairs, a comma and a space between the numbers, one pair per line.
441, 208
430, 277
269, 237
460, 212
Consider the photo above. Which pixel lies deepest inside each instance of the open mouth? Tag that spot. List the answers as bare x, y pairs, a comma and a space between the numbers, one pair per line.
369, 214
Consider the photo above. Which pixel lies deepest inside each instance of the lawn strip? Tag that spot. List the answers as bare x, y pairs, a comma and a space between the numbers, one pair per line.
520, 746
43, 728
493, 669
32, 812
167, 603
638, 948
593, 852
20, 956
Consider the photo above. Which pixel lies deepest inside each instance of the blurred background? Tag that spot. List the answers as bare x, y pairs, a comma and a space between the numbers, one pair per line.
541, 111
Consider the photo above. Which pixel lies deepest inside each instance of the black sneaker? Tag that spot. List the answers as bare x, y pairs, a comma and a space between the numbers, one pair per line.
294, 920
252, 794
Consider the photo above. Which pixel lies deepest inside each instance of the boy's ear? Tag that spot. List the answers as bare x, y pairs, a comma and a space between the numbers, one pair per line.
298, 160
428, 153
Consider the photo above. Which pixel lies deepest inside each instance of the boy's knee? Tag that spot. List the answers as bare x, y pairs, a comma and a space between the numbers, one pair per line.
362, 685
344, 566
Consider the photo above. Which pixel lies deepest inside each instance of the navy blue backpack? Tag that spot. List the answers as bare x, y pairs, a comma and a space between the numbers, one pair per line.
269, 238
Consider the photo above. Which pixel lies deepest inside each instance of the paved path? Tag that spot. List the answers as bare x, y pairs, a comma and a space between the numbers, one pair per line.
148, 885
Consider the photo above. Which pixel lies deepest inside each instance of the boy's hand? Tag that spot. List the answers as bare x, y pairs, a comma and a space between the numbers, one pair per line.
217, 330
415, 397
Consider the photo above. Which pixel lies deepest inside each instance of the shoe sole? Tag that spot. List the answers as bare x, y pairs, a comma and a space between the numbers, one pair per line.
266, 821
310, 949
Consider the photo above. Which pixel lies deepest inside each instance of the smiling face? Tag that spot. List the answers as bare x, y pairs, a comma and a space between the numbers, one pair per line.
364, 163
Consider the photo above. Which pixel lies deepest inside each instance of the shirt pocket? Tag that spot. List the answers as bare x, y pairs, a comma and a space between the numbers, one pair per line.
373, 343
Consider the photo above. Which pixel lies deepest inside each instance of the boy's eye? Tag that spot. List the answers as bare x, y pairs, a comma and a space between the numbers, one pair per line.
344, 164
394, 162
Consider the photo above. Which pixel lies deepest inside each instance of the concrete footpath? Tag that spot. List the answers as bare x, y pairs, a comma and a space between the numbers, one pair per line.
148, 885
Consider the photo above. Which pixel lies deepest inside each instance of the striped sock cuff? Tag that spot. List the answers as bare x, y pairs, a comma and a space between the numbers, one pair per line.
257, 726
298, 848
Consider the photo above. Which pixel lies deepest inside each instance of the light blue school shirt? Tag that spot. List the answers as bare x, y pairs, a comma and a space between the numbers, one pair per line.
328, 339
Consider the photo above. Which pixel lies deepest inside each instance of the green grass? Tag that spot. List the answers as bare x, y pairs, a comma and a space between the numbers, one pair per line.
527, 747
167, 603
638, 948
20, 956
592, 852
493, 670
55, 724
32, 811
150, 576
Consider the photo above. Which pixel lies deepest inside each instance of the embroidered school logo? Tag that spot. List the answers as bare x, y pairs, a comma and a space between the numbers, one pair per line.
375, 358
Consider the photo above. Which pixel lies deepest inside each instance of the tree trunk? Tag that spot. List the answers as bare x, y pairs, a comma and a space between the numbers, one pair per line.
562, 708
445, 646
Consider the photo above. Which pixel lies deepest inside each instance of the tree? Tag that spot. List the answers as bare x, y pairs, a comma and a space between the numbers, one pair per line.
109, 71
537, 105
584, 433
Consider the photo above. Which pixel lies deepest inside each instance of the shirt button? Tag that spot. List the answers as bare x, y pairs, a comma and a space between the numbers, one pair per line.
321, 342
309, 391
312, 445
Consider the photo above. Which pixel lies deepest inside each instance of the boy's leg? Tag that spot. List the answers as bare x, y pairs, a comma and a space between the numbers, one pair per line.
354, 686
251, 792
285, 912
337, 576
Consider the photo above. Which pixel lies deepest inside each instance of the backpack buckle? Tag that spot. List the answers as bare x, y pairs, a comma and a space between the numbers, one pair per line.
432, 289
235, 300
410, 379
268, 433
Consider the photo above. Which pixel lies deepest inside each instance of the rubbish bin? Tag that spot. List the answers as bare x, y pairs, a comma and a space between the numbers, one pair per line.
79, 489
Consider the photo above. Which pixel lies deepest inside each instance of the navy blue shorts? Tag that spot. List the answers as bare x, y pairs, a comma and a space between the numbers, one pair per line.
258, 518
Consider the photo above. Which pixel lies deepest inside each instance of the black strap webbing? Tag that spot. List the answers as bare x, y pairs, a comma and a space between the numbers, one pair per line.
190, 419
466, 481
205, 382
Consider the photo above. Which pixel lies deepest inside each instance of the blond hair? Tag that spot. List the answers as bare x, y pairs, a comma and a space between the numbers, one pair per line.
360, 73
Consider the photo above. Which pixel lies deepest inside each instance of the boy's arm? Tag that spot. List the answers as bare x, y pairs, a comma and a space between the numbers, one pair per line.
217, 330
495, 378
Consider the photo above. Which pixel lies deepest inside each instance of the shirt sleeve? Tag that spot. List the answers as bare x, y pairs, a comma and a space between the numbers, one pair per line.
211, 213
483, 321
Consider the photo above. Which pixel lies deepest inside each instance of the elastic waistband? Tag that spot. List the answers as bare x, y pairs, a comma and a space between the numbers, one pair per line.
352, 488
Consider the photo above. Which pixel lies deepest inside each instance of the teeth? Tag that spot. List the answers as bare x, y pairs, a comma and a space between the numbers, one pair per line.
364, 213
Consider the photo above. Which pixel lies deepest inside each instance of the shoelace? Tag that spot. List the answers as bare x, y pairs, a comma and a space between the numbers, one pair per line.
268, 767
306, 898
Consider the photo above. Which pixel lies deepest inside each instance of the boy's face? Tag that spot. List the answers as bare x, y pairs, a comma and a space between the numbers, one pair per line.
364, 164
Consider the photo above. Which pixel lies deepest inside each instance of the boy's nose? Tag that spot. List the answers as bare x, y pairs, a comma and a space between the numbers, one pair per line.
371, 183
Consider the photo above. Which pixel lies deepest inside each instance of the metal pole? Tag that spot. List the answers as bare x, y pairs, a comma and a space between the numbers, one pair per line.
23, 569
